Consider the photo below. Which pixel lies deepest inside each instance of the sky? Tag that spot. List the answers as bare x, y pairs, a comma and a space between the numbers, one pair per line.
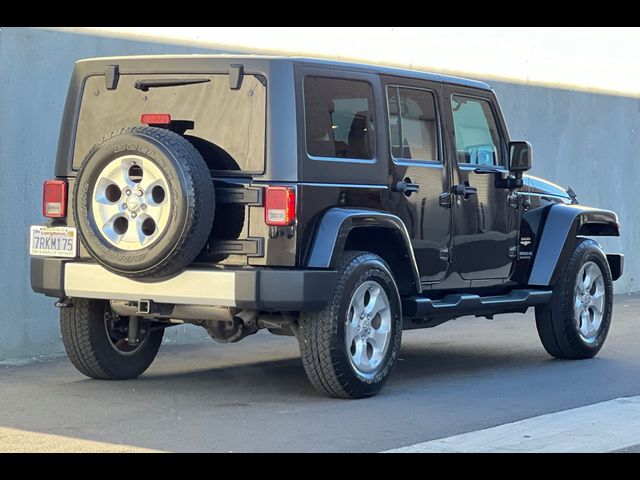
600, 59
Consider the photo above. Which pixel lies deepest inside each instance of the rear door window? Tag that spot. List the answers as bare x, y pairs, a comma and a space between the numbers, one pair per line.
338, 118
413, 124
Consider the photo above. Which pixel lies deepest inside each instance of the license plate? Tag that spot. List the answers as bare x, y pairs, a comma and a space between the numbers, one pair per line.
53, 241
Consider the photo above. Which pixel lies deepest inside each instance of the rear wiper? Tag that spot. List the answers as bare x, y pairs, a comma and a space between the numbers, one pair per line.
145, 85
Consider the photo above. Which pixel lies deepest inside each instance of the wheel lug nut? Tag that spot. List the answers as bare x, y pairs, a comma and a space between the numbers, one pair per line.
139, 192
124, 205
143, 206
134, 214
127, 192
362, 315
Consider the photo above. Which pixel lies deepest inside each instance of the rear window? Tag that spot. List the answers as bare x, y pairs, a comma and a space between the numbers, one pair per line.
229, 125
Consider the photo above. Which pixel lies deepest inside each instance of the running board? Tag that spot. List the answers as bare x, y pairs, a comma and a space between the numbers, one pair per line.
460, 304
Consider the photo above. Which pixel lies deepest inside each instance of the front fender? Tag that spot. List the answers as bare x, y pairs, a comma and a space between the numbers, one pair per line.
337, 223
562, 224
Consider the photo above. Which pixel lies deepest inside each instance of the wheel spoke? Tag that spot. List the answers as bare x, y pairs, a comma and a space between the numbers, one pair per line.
597, 305
579, 310
108, 213
586, 327
102, 186
596, 274
109, 230
358, 303
586, 282
376, 304
352, 332
578, 300
123, 174
360, 356
153, 211
379, 337
149, 181
134, 233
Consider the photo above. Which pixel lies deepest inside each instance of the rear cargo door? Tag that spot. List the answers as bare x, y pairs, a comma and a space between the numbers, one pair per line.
226, 122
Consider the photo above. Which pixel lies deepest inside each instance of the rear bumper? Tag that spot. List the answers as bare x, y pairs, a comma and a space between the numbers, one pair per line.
260, 289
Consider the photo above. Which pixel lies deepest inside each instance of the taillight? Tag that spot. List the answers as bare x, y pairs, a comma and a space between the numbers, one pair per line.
279, 206
54, 198
155, 118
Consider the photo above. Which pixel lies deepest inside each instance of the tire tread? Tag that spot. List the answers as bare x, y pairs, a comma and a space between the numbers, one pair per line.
554, 321
318, 336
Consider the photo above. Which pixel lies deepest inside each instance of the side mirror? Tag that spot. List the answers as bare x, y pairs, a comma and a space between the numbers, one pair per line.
520, 156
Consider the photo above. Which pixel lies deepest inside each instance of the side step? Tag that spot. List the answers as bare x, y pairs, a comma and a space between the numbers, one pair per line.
460, 304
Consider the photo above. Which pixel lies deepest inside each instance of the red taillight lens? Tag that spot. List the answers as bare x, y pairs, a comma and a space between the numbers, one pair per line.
54, 199
279, 206
155, 118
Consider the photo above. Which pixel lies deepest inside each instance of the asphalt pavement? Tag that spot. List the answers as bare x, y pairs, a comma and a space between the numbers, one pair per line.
466, 375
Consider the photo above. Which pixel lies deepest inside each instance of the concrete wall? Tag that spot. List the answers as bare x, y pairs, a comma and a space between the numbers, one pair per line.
35, 68
588, 141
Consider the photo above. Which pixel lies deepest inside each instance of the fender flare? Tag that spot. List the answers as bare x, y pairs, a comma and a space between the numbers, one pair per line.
335, 226
562, 225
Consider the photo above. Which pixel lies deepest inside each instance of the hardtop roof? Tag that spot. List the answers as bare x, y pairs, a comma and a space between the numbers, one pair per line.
319, 62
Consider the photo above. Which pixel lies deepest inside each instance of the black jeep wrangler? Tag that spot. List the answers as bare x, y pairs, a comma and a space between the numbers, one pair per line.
334, 202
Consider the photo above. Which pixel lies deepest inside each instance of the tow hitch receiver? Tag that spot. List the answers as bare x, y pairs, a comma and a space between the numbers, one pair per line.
144, 307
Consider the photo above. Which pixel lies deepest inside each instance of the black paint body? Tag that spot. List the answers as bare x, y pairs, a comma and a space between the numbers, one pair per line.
492, 242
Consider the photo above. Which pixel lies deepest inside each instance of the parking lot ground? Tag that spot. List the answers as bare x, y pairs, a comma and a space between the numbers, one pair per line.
467, 375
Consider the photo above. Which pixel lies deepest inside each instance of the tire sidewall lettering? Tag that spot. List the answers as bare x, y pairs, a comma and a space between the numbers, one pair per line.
127, 143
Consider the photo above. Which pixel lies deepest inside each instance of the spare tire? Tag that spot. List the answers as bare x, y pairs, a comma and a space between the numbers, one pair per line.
144, 202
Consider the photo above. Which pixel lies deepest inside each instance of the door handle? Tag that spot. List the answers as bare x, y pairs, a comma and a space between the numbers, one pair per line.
405, 187
486, 170
464, 190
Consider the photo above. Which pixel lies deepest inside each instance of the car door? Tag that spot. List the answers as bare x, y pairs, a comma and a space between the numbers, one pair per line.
485, 216
418, 171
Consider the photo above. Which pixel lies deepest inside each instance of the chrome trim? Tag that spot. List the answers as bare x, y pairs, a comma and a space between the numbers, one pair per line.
472, 166
538, 194
342, 159
191, 287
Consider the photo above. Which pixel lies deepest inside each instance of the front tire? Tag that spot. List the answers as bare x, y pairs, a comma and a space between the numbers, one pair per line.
95, 342
350, 347
575, 323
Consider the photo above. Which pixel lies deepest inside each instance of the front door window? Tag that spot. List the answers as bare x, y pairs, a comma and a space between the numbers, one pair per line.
476, 132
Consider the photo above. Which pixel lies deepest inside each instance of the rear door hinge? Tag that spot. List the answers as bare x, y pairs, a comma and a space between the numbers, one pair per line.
444, 254
513, 252
111, 77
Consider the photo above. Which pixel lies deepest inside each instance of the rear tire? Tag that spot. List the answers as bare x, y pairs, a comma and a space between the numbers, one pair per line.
92, 349
350, 347
575, 323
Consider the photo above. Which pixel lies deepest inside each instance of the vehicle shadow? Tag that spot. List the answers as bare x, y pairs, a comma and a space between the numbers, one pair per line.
283, 375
